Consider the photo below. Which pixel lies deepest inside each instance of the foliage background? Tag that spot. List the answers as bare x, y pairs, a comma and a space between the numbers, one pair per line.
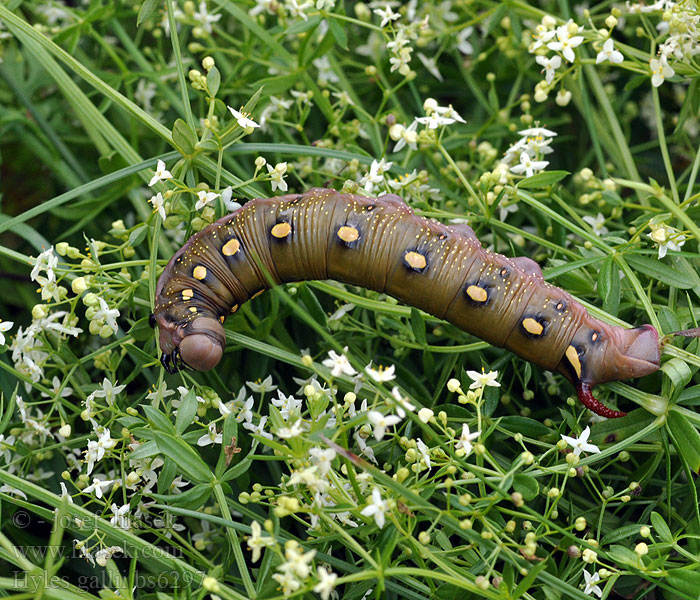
93, 95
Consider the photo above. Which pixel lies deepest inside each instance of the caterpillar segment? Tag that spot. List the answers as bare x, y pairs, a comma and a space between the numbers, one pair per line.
380, 244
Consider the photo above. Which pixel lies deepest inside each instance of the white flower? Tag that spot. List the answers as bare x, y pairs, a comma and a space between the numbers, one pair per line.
537, 132
158, 205
326, 582
566, 43
528, 165
382, 373
667, 238
462, 44
425, 414
609, 53
204, 18
277, 174
380, 422
402, 401
591, 588
231, 205
106, 314
387, 15
4, 326
262, 386
323, 459
256, 542
211, 437
161, 174
550, 66
375, 175
120, 516
339, 364
431, 66
404, 135
103, 555
46, 261
580, 444
297, 10
292, 431
98, 486
258, 429
204, 199
96, 449
145, 92
465, 439
424, 452
660, 70
242, 118
597, 223
108, 391
483, 379
376, 508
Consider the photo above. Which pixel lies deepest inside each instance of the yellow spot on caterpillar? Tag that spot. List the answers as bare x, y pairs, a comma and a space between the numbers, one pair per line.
187, 294
560, 306
281, 230
532, 326
222, 318
193, 309
199, 272
256, 294
348, 234
572, 355
231, 247
594, 337
477, 294
415, 260
234, 308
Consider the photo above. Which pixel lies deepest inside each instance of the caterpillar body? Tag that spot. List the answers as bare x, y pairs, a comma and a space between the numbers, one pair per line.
380, 244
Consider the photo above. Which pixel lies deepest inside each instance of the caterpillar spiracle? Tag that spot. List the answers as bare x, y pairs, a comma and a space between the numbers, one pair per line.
380, 244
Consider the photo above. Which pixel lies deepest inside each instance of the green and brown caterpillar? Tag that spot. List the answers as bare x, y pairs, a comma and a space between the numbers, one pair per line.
380, 244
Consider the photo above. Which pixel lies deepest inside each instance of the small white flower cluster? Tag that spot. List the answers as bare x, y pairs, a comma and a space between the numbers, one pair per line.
534, 143
666, 237
45, 263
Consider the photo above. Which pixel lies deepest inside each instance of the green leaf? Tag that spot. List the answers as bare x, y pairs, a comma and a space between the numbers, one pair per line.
526, 485
147, 9
661, 528
192, 498
188, 461
685, 580
158, 418
524, 425
186, 412
614, 430
138, 234
685, 438
338, 32
621, 533
418, 327
659, 271
141, 330
678, 371
542, 180
184, 138
213, 81
609, 285
623, 555
313, 305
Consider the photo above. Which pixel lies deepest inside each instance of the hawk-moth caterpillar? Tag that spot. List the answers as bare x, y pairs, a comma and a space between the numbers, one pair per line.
380, 244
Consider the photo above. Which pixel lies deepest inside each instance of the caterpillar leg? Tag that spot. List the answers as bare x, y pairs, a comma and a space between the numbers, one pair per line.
586, 397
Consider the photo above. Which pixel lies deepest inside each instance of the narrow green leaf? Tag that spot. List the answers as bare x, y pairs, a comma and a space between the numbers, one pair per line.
659, 271
186, 412
526, 485
661, 528
685, 438
312, 305
159, 419
339, 34
542, 180
678, 371
621, 533
685, 580
609, 285
184, 138
524, 425
186, 458
147, 9
192, 498
213, 81
145, 450
418, 327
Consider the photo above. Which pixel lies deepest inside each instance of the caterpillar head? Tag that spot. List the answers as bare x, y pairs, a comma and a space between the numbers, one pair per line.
198, 344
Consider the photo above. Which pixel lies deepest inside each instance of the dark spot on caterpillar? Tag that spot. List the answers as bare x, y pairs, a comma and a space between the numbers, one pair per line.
595, 336
561, 306
504, 273
152, 320
370, 207
534, 326
610, 438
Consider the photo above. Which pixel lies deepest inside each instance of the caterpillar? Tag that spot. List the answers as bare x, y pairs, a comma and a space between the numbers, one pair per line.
380, 244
